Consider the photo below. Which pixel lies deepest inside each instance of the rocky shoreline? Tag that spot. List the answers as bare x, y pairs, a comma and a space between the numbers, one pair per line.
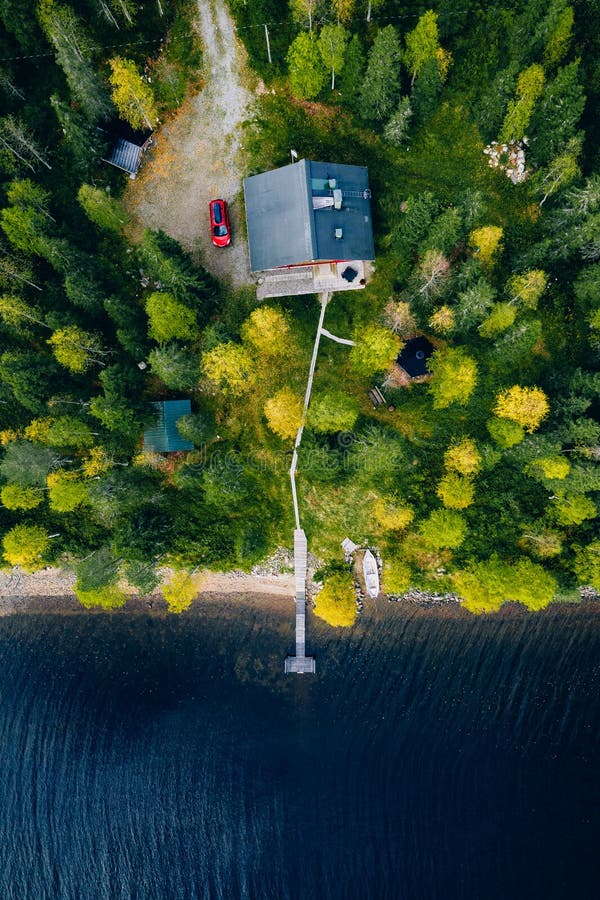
424, 598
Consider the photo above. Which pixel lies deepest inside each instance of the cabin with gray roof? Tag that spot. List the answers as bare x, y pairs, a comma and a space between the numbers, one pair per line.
309, 227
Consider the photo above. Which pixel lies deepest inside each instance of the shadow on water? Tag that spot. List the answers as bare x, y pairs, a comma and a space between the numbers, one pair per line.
434, 755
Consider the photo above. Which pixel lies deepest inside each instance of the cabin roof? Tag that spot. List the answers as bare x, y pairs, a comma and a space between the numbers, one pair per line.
164, 437
125, 155
414, 355
291, 217
128, 145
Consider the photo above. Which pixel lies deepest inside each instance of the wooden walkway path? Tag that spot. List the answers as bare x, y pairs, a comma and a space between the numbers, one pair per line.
311, 373
338, 340
301, 663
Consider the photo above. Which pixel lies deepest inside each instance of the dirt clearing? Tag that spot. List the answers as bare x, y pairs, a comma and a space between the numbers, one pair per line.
198, 155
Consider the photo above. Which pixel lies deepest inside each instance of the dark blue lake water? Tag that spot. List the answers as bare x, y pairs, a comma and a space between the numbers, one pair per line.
435, 755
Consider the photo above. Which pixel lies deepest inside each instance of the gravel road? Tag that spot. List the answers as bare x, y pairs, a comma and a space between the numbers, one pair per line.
198, 155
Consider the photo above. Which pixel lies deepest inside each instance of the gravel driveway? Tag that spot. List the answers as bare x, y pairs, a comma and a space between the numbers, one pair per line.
198, 155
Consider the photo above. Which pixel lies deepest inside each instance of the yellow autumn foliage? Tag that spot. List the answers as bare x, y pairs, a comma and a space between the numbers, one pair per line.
442, 320
181, 590
527, 406
26, 546
463, 457
8, 436
37, 430
336, 601
66, 491
268, 330
131, 94
231, 367
553, 466
283, 412
456, 491
391, 515
97, 462
528, 287
486, 243
21, 496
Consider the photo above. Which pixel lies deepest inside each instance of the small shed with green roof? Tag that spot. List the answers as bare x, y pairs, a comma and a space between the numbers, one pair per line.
164, 437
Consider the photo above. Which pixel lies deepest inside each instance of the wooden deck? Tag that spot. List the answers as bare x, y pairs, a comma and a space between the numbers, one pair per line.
309, 279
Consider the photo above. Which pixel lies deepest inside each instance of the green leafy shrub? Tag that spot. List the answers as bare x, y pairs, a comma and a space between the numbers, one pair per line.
332, 411
489, 584
444, 528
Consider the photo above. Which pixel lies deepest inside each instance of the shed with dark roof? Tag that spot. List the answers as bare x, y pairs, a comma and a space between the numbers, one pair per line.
308, 212
164, 437
414, 355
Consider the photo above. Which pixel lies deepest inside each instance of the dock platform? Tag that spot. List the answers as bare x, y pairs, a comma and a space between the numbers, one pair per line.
301, 664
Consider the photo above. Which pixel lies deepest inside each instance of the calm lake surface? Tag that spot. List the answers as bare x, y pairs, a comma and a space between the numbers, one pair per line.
435, 755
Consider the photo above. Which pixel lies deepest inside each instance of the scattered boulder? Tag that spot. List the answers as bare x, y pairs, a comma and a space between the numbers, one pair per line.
424, 598
509, 158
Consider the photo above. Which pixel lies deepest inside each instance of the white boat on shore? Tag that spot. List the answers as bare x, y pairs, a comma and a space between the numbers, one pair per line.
371, 574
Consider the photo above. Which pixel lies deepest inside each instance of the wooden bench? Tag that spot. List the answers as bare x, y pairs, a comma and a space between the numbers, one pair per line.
376, 397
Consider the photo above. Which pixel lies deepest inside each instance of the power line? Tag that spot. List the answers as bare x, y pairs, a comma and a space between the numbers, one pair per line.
415, 15
263, 25
101, 46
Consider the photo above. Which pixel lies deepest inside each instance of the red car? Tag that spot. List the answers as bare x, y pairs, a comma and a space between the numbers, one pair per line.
220, 229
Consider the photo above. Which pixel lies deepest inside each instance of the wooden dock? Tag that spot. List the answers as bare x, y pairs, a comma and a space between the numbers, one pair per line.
301, 664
